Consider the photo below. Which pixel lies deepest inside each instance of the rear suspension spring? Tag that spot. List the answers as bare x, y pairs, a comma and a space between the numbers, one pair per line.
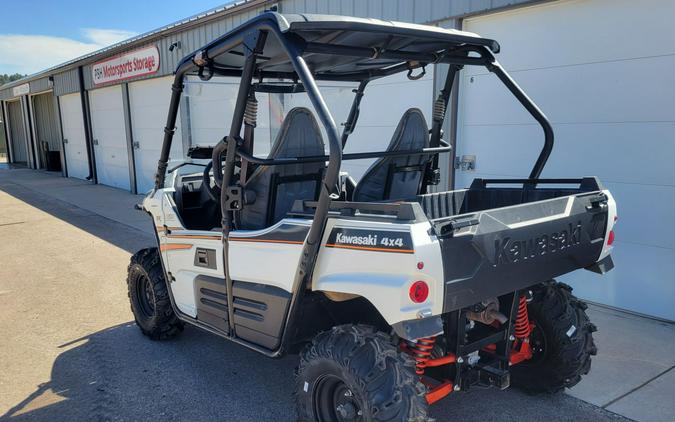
421, 351
523, 328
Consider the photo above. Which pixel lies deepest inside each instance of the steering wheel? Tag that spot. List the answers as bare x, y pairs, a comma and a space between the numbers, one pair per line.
212, 190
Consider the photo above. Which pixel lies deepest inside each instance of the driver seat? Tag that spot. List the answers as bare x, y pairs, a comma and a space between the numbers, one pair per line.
398, 177
272, 190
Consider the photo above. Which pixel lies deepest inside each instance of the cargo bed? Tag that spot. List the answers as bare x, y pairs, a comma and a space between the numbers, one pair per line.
500, 236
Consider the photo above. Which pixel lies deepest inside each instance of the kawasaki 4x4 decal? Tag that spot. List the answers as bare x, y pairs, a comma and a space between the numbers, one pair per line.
370, 240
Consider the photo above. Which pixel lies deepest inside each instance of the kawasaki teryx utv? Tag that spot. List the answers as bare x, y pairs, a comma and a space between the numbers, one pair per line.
393, 296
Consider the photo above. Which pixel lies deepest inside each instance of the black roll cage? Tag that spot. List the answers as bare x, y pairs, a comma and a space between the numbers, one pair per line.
252, 35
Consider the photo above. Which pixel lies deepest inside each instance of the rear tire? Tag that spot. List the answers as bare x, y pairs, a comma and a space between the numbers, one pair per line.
149, 297
355, 373
562, 341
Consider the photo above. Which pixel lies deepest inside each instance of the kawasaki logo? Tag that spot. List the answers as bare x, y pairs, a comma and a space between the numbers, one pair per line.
509, 251
369, 240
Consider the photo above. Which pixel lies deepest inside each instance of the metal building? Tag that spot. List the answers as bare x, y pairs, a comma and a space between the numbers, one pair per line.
604, 83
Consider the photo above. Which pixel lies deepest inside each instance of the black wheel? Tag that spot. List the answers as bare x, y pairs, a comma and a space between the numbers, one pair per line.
149, 296
355, 373
562, 341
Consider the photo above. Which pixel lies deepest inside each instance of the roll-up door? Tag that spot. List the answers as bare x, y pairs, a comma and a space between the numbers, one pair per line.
149, 105
109, 137
72, 121
47, 131
609, 95
17, 132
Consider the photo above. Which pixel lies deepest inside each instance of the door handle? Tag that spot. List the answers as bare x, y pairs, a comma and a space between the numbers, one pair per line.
95, 141
65, 141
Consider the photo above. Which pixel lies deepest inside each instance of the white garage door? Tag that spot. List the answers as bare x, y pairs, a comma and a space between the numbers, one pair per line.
72, 123
149, 104
602, 72
110, 143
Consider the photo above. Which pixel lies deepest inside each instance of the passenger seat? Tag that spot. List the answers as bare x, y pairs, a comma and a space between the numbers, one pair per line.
391, 178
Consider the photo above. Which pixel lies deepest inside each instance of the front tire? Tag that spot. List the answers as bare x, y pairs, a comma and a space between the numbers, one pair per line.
355, 373
562, 341
149, 297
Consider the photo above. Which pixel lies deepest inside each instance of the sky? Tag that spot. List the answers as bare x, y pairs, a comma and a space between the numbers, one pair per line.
35, 35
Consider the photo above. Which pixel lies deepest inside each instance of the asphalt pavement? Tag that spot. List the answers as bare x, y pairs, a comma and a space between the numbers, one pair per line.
69, 350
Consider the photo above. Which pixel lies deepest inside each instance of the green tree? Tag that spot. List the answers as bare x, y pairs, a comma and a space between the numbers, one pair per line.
5, 78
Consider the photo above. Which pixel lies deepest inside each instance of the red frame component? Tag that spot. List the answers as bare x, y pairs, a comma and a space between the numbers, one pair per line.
422, 349
421, 352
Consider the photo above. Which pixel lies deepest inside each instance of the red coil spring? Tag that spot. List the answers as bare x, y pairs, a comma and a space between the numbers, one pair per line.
523, 328
421, 351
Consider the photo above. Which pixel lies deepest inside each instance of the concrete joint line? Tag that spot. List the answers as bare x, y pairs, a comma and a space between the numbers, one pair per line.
611, 402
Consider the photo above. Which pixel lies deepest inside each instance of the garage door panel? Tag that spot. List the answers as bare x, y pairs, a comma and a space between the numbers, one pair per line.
573, 32
641, 281
149, 104
621, 152
376, 110
580, 149
505, 151
644, 204
628, 91
211, 106
72, 124
110, 143
602, 71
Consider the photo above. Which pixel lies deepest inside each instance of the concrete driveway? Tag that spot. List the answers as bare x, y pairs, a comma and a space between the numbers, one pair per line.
69, 349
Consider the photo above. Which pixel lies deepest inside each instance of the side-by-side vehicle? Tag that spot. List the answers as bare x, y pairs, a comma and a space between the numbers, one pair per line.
394, 293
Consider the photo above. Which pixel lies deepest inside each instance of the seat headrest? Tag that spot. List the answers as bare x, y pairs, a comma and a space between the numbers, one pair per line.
299, 136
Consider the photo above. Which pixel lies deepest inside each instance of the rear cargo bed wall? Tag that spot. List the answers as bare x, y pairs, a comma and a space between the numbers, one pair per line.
447, 204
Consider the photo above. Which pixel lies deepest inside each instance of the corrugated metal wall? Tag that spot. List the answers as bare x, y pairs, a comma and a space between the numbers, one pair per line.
17, 132
46, 121
66, 82
5, 94
40, 85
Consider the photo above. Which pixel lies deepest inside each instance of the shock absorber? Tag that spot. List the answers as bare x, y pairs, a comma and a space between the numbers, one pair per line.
251, 111
522, 329
421, 351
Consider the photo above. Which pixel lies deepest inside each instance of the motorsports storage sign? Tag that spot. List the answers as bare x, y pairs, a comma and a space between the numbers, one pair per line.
144, 61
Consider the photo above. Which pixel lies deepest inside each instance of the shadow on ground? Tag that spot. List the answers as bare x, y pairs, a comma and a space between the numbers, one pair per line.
120, 235
117, 374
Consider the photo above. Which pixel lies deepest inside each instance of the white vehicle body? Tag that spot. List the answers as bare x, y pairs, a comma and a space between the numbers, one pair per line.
375, 260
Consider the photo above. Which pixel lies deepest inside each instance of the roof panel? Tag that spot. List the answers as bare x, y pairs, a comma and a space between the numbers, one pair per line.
340, 45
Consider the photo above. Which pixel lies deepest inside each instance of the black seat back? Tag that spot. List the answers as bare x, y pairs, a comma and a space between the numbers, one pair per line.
398, 177
274, 189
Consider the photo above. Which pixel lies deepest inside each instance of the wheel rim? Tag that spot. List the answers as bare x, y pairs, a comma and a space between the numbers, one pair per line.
335, 402
146, 296
538, 344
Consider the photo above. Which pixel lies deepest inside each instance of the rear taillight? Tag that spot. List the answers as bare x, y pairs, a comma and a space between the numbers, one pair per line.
419, 291
610, 237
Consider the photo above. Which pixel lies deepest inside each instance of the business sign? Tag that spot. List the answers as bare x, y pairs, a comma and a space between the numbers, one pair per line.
141, 62
21, 90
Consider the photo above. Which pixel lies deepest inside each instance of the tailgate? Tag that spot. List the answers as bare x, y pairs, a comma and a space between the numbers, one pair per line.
494, 252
